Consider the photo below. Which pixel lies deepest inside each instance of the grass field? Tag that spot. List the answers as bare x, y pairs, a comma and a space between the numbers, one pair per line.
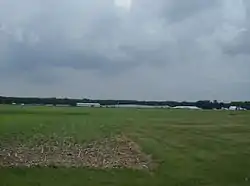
190, 148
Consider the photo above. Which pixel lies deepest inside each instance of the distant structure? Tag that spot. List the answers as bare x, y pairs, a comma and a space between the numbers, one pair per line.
235, 108
62, 105
49, 105
136, 106
88, 105
187, 107
133, 106
232, 108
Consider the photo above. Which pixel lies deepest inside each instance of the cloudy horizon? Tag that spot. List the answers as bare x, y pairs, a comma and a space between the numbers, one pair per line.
126, 49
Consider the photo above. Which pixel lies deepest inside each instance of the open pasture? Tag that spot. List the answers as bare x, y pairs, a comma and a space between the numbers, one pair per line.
50, 146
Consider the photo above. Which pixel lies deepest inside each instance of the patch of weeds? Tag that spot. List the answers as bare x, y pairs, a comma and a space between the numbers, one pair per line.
54, 152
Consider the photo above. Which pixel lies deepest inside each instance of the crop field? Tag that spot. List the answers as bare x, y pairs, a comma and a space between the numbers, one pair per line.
67, 146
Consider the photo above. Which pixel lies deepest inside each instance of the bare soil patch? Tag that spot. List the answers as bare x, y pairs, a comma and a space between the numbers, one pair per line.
112, 152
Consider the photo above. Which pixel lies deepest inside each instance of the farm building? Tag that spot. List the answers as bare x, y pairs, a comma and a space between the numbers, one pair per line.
187, 107
133, 106
232, 108
62, 105
137, 106
88, 105
236, 108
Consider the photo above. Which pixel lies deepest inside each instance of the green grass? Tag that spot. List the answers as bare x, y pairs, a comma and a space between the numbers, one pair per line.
192, 148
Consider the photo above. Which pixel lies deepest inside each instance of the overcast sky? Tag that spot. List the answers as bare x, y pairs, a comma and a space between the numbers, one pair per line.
126, 49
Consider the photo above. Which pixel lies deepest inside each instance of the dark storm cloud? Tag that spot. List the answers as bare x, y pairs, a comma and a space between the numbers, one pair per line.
240, 45
157, 49
174, 11
54, 26
178, 10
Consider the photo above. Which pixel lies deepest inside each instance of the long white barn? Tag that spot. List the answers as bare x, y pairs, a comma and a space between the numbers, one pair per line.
187, 107
88, 105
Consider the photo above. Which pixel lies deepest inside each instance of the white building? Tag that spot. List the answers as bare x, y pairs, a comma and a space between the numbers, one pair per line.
187, 107
62, 105
232, 108
88, 105
139, 106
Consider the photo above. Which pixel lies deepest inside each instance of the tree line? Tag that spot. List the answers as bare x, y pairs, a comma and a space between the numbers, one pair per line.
203, 104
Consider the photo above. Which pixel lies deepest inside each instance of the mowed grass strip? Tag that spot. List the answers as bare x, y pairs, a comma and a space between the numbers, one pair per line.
190, 147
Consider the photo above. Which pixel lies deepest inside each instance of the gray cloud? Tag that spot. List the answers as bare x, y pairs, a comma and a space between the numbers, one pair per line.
241, 43
180, 10
174, 49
